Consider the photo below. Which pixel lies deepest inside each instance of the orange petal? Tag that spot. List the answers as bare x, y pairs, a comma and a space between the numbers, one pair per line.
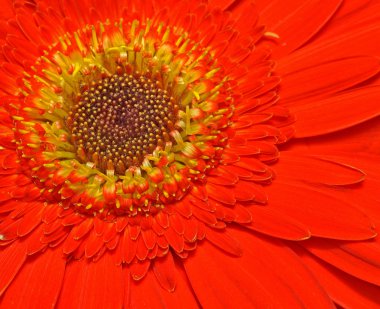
363, 263
92, 285
345, 290
12, 258
163, 268
232, 287
43, 274
337, 112
324, 214
316, 169
277, 224
281, 272
224, 241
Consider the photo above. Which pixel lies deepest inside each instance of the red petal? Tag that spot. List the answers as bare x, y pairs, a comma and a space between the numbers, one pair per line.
163, 268
70, 244
336, 47
364, 265
83, 228
11, 260
9, 206
128, 247
120, 224
224, 241
191, 229
242, 214
359, 138
92, 285
245, 191
319, 80
184, 208
336, 113
50, 213
324, 214
162, 219
28, 27
219, 281
277, 224
239, 171
139, 269
353, 6
147, 293
8, 160
221, 194
93, 244
345, 290
176, 222
222, 176
174, 239
205, 216
288, 20
324, 171
31, 220
34, 243
43, 275
134, 231
281, 272
141, 249
150, 238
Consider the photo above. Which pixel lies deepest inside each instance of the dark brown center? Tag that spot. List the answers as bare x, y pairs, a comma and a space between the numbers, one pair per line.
120, 119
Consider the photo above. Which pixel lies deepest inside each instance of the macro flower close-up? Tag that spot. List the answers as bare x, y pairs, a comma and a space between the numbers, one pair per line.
189, 154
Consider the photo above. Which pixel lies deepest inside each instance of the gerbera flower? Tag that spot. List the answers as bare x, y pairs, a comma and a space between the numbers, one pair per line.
189, 154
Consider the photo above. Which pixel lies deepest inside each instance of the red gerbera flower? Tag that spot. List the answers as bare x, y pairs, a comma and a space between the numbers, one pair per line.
189, 154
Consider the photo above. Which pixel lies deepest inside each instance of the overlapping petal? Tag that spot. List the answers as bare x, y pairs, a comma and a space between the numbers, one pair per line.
287, 215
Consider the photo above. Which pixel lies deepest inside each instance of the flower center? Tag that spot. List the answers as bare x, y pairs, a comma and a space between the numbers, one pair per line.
121, 119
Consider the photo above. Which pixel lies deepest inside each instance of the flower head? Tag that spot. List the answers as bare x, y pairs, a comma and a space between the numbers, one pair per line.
187, 153
120, 118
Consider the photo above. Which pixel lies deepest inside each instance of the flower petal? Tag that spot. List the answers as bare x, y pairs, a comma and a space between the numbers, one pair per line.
277, 224
345, 290
82, 289
163, 269
324, 214
337, 112
362, 263
38, 283
224, 241
149, 294
281, 272
12, 259
287, 20
232, 287
337, 47
326, 78
317, 169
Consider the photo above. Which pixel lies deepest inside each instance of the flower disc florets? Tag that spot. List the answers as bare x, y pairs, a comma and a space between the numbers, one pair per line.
121, 118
